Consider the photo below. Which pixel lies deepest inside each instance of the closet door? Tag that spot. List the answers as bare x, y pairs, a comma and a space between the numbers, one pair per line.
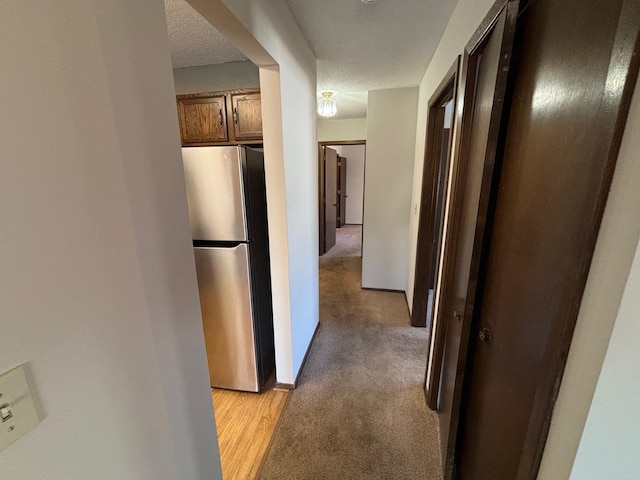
575, 72
485, 73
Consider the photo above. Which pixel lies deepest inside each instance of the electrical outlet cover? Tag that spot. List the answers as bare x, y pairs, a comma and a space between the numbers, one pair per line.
15, 392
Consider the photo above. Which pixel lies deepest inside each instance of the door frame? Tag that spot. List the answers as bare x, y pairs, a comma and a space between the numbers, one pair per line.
321, 146
431, 165
328, 226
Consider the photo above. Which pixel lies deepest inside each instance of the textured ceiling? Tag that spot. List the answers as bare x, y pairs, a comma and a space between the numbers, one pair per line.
369, 47
359, 47
350, 105
193, 41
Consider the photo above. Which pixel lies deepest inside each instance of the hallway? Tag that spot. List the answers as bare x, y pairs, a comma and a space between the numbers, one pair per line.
359, 410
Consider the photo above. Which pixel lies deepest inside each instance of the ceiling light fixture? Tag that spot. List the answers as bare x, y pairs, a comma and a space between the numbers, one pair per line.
369, 2
327, 105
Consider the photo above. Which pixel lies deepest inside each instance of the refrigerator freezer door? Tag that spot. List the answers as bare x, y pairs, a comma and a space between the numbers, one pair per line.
227, 312
215, 192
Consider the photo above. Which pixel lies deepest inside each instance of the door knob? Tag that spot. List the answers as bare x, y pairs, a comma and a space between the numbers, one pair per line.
485, 335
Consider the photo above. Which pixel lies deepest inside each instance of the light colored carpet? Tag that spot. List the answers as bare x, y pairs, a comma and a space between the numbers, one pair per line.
348, 244
359, 411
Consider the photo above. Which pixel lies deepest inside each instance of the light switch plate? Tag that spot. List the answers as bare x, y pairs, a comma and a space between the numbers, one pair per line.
16, 392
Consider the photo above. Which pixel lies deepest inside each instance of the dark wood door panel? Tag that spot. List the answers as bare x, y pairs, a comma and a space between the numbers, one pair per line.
342, 191
485, 71
558, 157
330, 197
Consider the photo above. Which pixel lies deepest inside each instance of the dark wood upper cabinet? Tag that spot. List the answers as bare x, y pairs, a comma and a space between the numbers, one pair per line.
220, 118
247, 116
203, 119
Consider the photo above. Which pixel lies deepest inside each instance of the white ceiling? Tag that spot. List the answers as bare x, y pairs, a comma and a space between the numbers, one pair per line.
350, 105
370, 47
359, 47
193, 41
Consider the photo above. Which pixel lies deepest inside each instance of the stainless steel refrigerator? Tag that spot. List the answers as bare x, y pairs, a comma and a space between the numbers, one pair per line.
228, 214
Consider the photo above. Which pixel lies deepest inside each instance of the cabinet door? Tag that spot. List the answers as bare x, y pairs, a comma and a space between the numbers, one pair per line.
202, 119
224, 283
247, 116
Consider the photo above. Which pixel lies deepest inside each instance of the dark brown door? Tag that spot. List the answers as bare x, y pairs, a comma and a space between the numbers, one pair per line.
246, 110
574, 73
320, 199
202, 119
485, 72
330, 197
342, 191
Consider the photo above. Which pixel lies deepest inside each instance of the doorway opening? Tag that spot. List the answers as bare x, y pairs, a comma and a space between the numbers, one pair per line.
341, 170
434, 189
229, 113
431, 227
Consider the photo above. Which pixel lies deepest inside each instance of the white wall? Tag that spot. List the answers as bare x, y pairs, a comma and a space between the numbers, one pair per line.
291, 161
355, 155
391, 131
463, 23
213, 78
601, 305
342, 130
98, 287
611, 438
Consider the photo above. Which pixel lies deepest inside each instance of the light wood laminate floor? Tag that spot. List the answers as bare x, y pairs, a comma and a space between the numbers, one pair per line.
246, 423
